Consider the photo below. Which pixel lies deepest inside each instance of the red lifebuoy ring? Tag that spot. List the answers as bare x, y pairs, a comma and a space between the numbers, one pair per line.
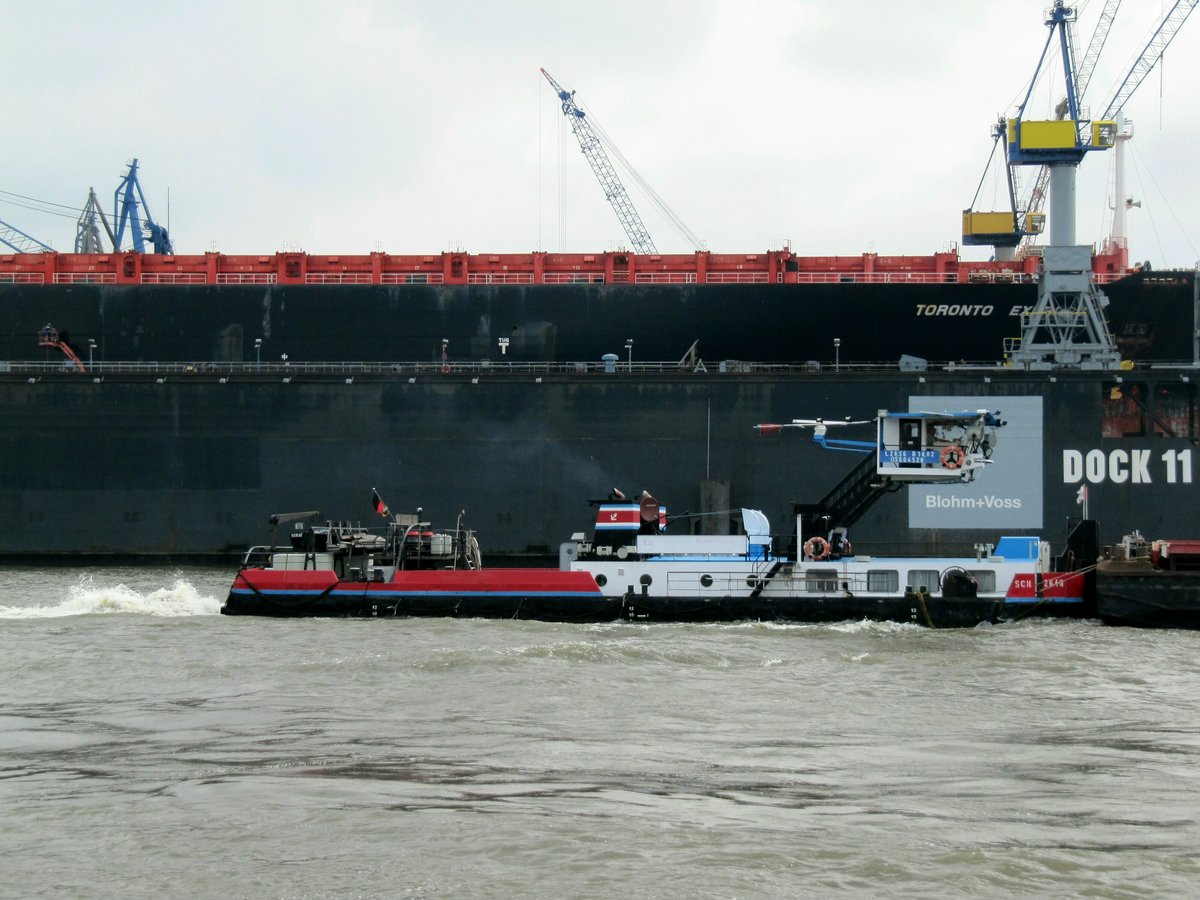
816, 548
953, 457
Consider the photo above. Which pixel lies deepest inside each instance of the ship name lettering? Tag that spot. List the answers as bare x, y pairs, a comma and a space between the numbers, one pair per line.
1125, 466
953, 309
1020, 310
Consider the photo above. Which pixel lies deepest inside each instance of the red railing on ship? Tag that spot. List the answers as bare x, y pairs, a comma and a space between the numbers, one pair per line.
457, 268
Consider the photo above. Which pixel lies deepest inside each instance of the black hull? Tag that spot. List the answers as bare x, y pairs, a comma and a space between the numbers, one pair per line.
931, 612
1166, 600
117, 463
1150, 315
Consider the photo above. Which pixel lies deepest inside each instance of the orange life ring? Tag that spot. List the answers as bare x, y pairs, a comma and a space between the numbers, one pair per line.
953, 456
816, 548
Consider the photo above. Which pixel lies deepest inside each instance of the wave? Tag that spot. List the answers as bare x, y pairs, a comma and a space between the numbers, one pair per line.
87, 597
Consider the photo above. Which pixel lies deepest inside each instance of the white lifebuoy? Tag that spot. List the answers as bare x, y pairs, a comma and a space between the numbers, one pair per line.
816, 548
953, 456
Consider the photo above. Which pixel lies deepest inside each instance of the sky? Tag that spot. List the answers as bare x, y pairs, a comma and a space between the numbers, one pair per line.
412, 127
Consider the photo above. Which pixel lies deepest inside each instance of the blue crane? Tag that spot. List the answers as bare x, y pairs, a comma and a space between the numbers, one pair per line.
610, 182
127, 199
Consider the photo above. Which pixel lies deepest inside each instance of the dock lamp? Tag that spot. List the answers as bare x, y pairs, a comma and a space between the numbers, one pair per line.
91, 350
629, 347
258, 354
837, 353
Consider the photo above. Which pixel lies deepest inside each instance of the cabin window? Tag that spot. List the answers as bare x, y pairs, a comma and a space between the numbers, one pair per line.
646, 580
821, 581
706, 581
601, 580
986, 579
929, 579
883, 581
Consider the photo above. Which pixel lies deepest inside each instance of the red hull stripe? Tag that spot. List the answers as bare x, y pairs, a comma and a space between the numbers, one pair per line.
483, 581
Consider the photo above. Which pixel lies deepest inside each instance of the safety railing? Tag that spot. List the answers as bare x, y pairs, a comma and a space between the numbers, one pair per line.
572, 278
412, 278
500, 278
22, 278
84, 278
246, 278
173, 278
337, 278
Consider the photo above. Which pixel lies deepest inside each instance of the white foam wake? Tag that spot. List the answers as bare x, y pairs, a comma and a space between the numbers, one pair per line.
89, 598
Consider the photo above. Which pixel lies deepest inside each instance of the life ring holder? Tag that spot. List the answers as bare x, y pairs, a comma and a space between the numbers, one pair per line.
953, 457
816, 548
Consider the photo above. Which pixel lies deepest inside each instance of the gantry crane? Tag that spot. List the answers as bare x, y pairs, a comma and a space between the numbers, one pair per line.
610, 182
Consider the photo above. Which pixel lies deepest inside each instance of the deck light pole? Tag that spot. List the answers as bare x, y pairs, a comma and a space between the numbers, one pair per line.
91, 350
837, 353
629, 347
258, 354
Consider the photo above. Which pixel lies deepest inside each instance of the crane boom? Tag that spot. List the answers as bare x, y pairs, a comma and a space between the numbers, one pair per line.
1151, 54
610, 182
20, 241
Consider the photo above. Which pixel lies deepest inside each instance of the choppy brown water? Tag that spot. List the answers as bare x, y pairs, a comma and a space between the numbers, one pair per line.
150, 747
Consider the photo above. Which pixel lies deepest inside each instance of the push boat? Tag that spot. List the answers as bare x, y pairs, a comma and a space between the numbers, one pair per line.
1149, 584
634, 569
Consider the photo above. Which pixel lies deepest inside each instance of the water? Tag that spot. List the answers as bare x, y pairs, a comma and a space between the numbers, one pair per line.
150, 747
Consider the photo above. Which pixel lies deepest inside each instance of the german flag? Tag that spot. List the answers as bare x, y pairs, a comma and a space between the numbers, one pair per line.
380, 506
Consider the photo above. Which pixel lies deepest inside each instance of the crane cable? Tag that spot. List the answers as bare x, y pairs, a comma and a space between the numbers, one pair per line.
676, 222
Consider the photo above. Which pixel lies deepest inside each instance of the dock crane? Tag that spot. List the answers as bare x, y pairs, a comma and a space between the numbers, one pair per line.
1067, 326
610, 182
1023, 222
19, 241
127, 199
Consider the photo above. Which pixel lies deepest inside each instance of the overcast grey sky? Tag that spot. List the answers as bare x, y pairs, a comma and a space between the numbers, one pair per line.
415, 127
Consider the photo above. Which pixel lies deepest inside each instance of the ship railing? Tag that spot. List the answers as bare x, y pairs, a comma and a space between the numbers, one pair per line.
666, 277
337, 278
572, 278
246, 278
290, 371
412, 278
174, 278
22, 278
736, 277
84, 278
499, 278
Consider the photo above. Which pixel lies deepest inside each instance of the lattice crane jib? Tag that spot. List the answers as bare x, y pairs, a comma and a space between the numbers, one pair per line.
593, 149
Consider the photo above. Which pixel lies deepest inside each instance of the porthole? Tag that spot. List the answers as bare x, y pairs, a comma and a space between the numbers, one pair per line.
706, 581
646, 580
601, 580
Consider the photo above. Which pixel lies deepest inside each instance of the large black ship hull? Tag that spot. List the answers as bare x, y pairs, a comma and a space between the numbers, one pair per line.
1150, 314
189, 460
179, 465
